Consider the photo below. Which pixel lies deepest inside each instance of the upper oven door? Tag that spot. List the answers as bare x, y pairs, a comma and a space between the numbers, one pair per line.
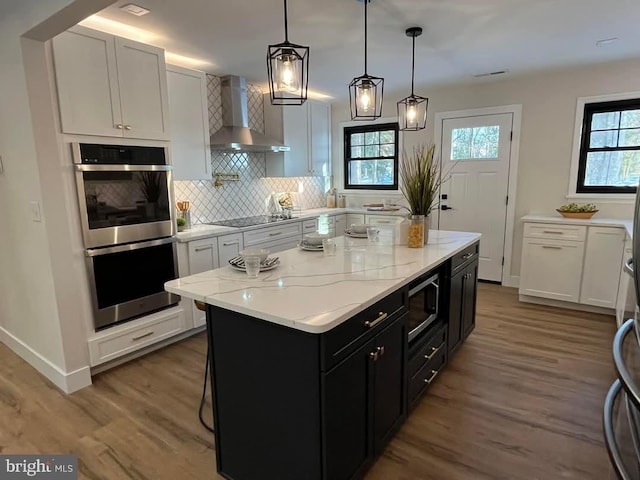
124, 203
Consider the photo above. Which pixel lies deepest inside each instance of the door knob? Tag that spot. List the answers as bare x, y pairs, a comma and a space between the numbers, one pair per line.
445, 207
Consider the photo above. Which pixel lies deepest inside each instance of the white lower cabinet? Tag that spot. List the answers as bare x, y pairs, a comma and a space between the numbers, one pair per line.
309, 226
572, 263
229, 246
340, 225
354, 219
203, 256
551, 269
601, 273
275, 239
384, 219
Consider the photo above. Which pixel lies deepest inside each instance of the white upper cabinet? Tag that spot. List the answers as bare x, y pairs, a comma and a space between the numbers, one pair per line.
190, 151
306, 129
110, 86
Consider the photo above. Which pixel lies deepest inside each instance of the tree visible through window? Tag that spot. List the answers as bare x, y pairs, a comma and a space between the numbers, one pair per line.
610, 148
475, 143
371, 157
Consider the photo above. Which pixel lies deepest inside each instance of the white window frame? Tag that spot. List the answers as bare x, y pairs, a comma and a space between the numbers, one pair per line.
339, 171
575, 154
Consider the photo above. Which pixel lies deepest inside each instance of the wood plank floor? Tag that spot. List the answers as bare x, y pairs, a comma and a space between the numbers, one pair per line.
522, 399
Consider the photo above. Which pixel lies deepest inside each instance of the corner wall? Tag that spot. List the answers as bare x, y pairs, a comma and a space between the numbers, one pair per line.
548, 115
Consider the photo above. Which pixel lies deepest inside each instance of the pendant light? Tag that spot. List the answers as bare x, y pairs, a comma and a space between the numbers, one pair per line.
365, 92
412, 110
288, 70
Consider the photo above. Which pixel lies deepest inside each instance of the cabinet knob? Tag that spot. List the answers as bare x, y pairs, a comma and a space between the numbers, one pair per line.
119, 126
127, 127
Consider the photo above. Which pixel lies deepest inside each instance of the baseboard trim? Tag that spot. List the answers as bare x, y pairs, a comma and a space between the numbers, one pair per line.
568, 305
68, 382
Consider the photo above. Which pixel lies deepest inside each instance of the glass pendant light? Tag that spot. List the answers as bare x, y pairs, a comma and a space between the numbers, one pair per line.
365, 92
412, 110
288, 70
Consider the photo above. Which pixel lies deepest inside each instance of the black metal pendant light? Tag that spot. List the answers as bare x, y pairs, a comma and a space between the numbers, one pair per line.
412, 110
365, 92
288, 70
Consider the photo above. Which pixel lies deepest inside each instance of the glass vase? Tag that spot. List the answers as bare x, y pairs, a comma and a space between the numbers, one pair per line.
415, 238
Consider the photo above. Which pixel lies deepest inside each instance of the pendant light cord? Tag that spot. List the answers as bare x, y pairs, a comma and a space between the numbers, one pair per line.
286, 23
413, 63
365, 36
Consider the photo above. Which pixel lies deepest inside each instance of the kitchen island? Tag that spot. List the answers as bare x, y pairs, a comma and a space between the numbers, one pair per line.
312, 370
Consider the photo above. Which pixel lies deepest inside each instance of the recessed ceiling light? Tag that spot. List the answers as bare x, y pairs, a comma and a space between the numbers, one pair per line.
134, 9
490, 74
606, 41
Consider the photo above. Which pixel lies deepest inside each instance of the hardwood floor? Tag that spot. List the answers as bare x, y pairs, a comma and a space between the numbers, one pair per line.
521, 399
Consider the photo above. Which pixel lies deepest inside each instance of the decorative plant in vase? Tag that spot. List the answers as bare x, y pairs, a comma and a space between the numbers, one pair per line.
420, 181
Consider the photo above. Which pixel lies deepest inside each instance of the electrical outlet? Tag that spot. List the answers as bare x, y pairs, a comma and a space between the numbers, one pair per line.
35, 211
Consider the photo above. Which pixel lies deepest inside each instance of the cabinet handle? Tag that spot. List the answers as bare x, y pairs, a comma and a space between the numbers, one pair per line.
377, 353
228, 244
554, 232
467, 256
309, 226
127, 127
552, 247
383, 221
119, 126
434, 374
434, 350
140, 337
202, 249
381, 317
275, 234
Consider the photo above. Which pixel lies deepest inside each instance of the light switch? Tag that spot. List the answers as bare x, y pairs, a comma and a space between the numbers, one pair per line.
35, 211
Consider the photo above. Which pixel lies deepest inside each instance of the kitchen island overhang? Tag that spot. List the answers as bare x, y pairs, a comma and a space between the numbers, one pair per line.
311, 367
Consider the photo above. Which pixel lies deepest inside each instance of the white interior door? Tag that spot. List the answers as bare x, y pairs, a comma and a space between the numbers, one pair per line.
475, 153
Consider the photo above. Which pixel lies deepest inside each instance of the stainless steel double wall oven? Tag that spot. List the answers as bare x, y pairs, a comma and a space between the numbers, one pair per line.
127, 220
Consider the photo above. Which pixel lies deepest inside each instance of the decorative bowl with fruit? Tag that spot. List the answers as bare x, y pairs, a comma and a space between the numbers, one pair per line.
574, 210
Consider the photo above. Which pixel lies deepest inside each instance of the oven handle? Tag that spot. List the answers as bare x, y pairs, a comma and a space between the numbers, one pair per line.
95, 252
123, 168
431, 280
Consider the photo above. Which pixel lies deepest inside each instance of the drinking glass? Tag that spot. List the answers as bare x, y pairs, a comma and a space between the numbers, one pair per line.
329, 246
373, 234
252, 266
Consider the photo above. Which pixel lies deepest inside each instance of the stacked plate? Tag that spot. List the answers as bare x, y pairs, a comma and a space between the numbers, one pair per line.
310, 247
349, 233
269, 264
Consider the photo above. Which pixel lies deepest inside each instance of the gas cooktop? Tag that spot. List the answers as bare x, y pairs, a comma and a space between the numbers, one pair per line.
249, 221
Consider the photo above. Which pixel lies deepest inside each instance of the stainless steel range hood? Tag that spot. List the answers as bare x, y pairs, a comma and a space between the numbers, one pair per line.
235, 135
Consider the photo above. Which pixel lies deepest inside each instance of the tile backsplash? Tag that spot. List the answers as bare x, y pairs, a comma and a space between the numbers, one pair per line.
247, 196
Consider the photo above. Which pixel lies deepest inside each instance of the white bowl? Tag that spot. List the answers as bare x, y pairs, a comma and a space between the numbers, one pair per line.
263, 253
315, 238
359, 228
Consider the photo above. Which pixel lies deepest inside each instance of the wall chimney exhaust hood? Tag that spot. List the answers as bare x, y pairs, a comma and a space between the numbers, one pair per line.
235, 134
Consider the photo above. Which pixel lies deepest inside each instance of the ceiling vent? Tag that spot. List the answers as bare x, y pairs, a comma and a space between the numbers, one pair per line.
134, 9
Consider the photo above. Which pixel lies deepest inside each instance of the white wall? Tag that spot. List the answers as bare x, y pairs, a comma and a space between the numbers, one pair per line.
37, 315
548, 116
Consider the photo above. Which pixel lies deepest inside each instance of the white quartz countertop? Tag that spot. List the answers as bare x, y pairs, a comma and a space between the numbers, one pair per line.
314, 293
203, 231
595, 221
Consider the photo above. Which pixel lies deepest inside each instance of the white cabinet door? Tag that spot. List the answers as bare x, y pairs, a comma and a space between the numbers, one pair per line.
87, 81
354, 219
229, 246
551, 269
203, 256
309, 226
340, 225
190, 151
319, 138
143, 90
602, 261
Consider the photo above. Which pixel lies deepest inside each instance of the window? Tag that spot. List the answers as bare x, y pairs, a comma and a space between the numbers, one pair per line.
371, 157
475, 143
609, 159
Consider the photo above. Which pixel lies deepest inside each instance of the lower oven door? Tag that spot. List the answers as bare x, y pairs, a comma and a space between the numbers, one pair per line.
127, 281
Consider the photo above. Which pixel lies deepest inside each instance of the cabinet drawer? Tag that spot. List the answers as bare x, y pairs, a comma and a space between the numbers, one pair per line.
339, 342
203, 255
129, 338
269, 234
384, 219
428, 348
309, 226
466, 255
228, 247
427, 374
559, 232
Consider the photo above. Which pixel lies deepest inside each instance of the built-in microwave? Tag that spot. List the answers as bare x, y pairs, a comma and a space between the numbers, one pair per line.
124, 193
423, 304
